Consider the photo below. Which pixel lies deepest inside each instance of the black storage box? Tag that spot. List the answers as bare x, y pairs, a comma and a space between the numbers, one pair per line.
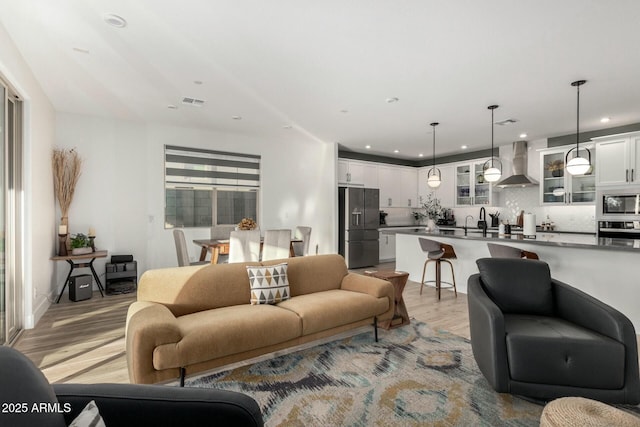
80, 287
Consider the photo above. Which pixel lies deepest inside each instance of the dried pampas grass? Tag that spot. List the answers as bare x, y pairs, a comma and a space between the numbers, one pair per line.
67, 166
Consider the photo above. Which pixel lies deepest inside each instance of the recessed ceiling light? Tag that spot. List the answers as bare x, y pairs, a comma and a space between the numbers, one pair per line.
236, 117
172, 107
197, 82
523, 135
368, 147
344, 111
81, 50
392, 100
464, 147
287, 127
115, 20
605, 120
396, 151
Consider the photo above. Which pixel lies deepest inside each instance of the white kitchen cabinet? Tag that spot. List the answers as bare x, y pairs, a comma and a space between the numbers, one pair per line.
471, 187
398, 186
557, 187
445, 192
387, 246
357, 173
618, 161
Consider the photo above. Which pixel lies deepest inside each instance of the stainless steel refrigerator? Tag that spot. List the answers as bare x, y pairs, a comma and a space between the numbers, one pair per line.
358, 220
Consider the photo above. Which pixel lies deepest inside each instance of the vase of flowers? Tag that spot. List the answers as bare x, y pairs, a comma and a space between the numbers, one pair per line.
247, 224
433, 211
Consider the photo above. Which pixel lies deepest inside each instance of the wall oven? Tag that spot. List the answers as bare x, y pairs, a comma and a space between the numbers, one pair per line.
619, 213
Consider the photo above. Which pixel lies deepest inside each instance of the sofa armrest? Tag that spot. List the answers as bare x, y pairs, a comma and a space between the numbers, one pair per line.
135, 405
373, 286
149, 325
488, 339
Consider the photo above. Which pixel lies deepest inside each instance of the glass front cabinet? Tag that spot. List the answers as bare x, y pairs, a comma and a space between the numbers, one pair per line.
560, 188
471, 187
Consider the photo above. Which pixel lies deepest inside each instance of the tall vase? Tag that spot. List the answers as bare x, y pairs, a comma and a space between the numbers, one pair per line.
65, 221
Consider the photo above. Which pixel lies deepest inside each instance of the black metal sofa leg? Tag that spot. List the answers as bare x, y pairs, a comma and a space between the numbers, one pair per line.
183, 373
375, 327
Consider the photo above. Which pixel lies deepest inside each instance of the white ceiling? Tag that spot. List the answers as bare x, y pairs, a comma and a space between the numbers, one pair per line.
301, 63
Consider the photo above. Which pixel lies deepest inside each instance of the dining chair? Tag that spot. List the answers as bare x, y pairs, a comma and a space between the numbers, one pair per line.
244, 246
222, 231
302, 248
276, 245
181, 250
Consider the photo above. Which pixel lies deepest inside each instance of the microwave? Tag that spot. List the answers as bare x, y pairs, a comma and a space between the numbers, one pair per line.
619, 205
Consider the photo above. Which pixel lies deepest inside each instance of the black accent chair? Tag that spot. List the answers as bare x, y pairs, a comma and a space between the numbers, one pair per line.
23, 385
535, 336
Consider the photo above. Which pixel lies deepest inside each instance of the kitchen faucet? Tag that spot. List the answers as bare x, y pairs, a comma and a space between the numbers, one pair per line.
465, 223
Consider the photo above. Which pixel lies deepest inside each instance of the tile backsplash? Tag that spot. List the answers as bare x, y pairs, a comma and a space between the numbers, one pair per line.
510, 201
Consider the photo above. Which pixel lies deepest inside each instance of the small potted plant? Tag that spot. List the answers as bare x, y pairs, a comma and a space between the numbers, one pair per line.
80, 244
556, 167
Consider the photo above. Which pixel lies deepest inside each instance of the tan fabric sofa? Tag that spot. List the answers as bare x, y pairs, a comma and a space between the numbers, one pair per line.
192, 319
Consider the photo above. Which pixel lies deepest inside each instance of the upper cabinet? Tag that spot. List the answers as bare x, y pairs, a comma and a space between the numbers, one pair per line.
560, 188
398, 186
471, 187
618, 159
445, 192
357, 174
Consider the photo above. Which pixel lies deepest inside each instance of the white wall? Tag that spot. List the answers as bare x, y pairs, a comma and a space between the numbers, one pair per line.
39, 220
121, 190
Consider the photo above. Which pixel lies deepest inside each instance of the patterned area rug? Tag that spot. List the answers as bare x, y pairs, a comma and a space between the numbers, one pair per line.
412, 376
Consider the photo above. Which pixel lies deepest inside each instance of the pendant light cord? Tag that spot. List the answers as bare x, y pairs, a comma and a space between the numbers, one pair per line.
578, 122
492, 137
434, 145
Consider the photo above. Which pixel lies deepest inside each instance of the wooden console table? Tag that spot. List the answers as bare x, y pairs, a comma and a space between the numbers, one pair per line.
398, 279
72, 260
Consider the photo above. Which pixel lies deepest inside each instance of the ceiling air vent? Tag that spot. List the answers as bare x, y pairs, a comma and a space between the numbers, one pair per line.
192, 101
506, 122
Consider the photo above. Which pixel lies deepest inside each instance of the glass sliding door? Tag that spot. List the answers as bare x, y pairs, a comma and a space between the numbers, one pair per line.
11, 278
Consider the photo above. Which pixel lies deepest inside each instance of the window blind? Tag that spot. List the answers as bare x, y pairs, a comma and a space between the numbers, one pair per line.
196, 167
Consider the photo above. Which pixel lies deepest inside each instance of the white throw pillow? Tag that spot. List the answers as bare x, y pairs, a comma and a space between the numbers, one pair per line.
269, 285
89, 417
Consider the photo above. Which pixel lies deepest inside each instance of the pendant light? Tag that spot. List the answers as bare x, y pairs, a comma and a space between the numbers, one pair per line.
434, 177
491, 172
578, 165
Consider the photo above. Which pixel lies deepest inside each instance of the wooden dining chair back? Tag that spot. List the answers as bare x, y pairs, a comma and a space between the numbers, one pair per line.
244, 246
277, 244
303, 233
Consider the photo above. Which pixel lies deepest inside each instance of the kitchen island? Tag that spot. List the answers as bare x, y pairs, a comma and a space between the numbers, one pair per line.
604, 268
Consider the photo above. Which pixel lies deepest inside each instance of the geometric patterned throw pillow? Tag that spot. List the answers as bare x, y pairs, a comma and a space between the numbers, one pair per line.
269, 285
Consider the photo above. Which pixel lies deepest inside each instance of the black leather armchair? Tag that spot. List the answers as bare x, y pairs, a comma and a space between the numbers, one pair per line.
535, 336
22, 386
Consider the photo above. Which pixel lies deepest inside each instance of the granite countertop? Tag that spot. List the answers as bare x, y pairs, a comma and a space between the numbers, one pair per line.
566, 239
514, 229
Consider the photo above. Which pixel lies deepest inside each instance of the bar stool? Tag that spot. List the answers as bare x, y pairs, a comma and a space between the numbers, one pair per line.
504, 251
438, 253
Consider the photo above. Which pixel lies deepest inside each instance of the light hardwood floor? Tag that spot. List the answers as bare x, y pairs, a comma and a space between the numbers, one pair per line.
83, 342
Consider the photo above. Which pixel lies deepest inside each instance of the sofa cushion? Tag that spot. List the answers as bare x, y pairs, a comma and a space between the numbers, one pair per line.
517, 285
269, 284
211, 334
317, 273
550, 350
320, 311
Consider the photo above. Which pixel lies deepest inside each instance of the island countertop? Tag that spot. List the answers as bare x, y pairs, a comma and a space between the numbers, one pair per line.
565, 239
604, 268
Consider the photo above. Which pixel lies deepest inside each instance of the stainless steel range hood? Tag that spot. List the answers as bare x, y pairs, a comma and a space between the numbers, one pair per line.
519, 177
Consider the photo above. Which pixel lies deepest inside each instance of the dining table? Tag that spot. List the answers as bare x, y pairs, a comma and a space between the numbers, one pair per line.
221, 247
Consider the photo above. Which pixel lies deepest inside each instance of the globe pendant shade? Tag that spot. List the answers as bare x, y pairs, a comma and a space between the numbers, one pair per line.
492, 174
578, 166
434, 181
